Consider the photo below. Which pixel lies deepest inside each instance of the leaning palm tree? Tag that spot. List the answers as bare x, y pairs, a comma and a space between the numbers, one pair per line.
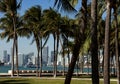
10, 7
52, 19
34, 25
33, 22
79, 36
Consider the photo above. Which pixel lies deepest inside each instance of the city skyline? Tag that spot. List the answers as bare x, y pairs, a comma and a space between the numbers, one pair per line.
24, 44
25, 59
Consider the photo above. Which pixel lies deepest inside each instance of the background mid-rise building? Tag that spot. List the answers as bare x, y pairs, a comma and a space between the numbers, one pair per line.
45, 52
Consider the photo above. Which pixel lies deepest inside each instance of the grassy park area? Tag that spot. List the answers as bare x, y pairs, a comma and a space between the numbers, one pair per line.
44, 81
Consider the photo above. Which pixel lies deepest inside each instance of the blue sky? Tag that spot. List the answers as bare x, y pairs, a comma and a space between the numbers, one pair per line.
24, 43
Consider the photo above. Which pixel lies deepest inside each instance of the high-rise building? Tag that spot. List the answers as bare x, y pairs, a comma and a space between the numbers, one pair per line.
6, 57
52, 56
45, 55
20, 59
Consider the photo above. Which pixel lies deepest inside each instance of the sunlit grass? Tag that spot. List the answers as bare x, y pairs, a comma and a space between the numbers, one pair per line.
44, 81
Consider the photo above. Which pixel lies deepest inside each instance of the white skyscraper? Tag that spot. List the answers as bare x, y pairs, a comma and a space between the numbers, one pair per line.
20, 59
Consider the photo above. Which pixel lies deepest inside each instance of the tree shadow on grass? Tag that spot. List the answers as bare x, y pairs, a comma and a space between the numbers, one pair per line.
14, 82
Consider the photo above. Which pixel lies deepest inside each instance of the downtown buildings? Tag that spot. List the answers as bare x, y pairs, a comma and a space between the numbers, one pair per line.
31, 58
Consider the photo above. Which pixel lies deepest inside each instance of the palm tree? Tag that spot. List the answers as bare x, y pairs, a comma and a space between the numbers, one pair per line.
79, 36
52, 19
7, 27
107, 44
10, 7
34, 25
33, 22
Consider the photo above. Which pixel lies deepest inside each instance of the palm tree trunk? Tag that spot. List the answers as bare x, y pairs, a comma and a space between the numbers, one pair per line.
14, 41
38, 52
38, 62
54, 54
16, 45
73, 62
94, 43
41, 59
12, 67
107, 44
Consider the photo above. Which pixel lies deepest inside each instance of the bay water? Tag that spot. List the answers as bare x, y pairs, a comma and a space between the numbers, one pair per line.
4, 69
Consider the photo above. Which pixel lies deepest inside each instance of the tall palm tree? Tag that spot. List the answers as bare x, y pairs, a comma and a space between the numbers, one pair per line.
107, 43
79, 37
94, 43
33, 22
11, 7
52, 19
34, 25
7, 27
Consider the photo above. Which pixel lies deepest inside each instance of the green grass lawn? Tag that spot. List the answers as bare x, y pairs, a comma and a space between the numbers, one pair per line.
42, 81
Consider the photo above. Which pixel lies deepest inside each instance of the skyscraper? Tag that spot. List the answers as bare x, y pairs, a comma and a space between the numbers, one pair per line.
45, 55
20, 59
6, 57
52, 56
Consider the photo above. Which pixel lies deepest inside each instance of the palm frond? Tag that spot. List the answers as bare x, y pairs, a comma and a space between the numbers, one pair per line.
64, 5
